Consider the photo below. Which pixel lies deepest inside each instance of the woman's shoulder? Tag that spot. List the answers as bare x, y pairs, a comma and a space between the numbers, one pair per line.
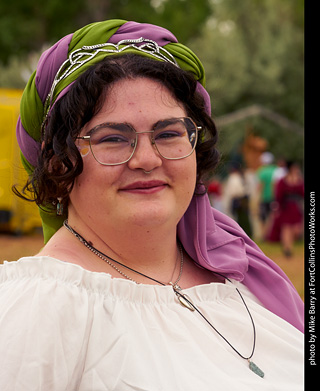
44, 313
31, 266
50, 274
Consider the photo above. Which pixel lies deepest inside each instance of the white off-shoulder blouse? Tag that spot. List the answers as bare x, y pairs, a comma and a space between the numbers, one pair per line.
65, 328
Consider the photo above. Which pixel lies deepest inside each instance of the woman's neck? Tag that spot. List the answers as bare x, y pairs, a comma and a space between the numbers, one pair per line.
151, 251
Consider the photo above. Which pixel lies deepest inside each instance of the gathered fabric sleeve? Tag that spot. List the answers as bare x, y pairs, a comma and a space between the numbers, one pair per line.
44, 326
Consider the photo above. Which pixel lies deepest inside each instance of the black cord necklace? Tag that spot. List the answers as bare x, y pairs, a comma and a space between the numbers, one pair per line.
182, 297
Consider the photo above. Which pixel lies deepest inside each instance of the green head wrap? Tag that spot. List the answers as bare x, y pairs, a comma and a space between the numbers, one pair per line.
65, 61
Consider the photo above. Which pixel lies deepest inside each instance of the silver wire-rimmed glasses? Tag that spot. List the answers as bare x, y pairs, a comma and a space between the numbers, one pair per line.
112, 144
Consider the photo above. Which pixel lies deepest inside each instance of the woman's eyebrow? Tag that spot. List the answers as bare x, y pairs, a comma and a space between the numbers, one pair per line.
113, 125
123, 125
165, 122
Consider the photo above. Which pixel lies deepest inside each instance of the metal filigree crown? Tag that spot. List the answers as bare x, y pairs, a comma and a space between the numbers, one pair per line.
81, 56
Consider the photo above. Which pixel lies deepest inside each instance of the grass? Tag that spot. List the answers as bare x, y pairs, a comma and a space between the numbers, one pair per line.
293, 266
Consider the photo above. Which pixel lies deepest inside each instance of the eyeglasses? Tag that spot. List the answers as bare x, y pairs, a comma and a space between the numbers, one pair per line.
112, 144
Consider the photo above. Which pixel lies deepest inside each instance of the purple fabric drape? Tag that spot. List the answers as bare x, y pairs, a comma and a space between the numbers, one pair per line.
217, 243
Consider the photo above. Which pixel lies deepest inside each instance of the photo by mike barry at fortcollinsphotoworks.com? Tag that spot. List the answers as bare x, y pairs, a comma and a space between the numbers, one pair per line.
311, 289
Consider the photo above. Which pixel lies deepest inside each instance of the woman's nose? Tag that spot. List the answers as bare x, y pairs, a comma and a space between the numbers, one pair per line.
145, 155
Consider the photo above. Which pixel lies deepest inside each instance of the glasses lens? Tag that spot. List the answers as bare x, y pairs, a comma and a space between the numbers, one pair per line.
113, 143
175, 138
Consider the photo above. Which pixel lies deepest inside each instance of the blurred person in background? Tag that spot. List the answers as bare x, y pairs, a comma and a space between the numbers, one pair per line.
280, 171
266, 190
236, 197
141, 284
289, 196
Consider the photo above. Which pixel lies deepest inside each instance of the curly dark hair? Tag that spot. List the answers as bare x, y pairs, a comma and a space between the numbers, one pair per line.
60, 162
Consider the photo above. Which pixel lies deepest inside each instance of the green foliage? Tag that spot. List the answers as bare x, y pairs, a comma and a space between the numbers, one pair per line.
184, 18
252, 51
26, 25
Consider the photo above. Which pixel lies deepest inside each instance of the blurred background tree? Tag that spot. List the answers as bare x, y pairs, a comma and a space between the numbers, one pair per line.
28, 25
252, 51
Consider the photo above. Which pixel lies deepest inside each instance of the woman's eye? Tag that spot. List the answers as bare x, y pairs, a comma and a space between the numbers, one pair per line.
167, 135
114, 134
111, 139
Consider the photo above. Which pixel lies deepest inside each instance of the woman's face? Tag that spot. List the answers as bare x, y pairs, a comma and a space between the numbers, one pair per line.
123, 195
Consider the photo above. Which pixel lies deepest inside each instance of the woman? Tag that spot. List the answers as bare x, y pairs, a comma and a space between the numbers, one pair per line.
289, 194
141, 284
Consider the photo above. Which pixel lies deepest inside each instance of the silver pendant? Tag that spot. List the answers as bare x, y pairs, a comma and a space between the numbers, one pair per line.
254, 368
184, 299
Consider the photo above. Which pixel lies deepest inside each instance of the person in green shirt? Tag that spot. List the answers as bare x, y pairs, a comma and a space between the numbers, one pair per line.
265, 176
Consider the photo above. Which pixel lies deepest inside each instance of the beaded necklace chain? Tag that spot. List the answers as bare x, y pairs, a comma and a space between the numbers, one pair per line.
183, 299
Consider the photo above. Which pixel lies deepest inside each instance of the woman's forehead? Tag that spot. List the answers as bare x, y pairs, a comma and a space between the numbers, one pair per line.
132, 99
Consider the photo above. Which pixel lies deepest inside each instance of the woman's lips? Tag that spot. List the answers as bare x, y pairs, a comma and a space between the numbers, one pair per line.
145, 187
